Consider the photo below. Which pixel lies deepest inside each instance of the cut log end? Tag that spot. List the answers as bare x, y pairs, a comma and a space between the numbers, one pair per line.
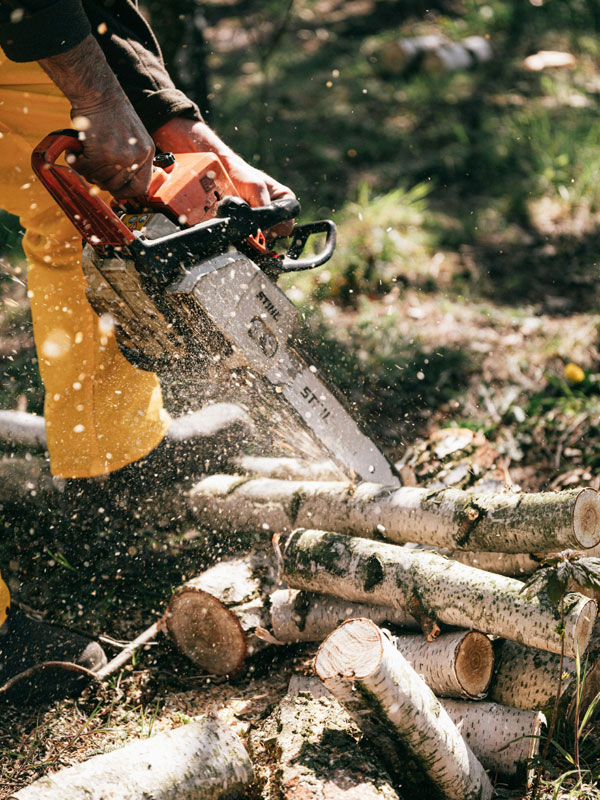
354, 650
474, 663
204, 630
586, 518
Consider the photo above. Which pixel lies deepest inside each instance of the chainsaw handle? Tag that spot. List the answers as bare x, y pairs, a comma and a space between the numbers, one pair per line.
292, 262
93, 218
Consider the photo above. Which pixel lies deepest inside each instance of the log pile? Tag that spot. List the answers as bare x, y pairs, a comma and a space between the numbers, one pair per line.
445, 667
433, 665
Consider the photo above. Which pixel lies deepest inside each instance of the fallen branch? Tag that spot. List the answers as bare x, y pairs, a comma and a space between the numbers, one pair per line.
204, 760
127, 652
362, 571
213, 618
450, 518
69, 666
23, 429
394, 707
289, 468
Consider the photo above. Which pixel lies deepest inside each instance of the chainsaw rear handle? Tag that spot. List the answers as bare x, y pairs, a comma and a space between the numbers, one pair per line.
93, 218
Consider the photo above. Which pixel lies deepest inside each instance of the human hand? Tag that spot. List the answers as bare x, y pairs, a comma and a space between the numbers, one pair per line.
181, 135
117, 150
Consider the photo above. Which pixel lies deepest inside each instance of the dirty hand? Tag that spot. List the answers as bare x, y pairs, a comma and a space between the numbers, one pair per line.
117, 149
181, 135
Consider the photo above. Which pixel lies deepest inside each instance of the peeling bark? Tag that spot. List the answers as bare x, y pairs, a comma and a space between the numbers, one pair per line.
450, 518
213, 618
204, 760
308, 749
361, 667
306, 617
383, 574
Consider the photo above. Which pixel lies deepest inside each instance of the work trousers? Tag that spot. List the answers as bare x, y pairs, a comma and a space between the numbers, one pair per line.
101, 412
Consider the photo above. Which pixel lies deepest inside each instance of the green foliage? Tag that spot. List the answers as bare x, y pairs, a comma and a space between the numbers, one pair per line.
560, 571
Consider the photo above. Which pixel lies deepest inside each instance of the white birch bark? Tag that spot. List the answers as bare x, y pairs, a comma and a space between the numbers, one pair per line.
457, 664
213, 618
204, 760
451, 518
503, 739
361, 667
21, 428
309, 749
289, 468
512, 564
527, 678
362, 571
306, 617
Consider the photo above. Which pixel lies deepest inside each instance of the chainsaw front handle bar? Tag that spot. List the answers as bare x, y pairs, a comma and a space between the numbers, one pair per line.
100, 226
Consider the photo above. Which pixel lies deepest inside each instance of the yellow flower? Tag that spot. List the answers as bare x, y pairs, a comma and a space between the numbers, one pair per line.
574, 373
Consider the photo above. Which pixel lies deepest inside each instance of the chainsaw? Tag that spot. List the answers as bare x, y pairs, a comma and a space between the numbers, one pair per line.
187, 279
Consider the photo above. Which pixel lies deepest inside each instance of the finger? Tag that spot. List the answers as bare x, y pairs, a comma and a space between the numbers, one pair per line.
281, 230
137, 184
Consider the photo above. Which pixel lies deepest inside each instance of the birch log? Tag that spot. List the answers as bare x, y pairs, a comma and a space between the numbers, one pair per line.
527, 678
362, 571
512, 564
204, 760
289, 468
457, 664
23, 429
504, 522
503, 739
454, 665
306, 617
213, 618
361, 667
308, 749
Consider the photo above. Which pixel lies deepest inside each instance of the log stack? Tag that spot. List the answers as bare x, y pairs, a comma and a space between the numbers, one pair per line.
441, 664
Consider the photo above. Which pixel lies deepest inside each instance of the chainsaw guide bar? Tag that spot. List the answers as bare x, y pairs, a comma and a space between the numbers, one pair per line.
203, 300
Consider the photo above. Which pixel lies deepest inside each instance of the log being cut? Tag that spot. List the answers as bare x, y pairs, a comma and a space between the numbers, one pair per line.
503, 739
308, 749
362, 571
505, 522
204, 760
397, 711
213, 619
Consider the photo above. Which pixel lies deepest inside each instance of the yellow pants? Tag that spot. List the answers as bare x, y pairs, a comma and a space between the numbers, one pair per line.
101, 412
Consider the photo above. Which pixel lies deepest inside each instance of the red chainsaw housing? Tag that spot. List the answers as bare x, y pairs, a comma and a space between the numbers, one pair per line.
187, 191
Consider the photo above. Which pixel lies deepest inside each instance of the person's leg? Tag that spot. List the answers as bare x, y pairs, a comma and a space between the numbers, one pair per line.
101, 412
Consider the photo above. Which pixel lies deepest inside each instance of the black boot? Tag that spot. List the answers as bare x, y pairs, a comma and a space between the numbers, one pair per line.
25, 642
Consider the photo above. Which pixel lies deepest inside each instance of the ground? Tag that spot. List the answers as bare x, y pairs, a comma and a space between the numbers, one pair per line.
463, 294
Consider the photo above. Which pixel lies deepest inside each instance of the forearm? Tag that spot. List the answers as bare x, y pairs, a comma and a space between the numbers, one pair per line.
83, 75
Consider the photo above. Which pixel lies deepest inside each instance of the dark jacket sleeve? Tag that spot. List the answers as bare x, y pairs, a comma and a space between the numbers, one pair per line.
35, 29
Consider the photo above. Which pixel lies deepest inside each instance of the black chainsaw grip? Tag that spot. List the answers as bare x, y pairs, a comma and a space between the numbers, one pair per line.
278, 211
261, 218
